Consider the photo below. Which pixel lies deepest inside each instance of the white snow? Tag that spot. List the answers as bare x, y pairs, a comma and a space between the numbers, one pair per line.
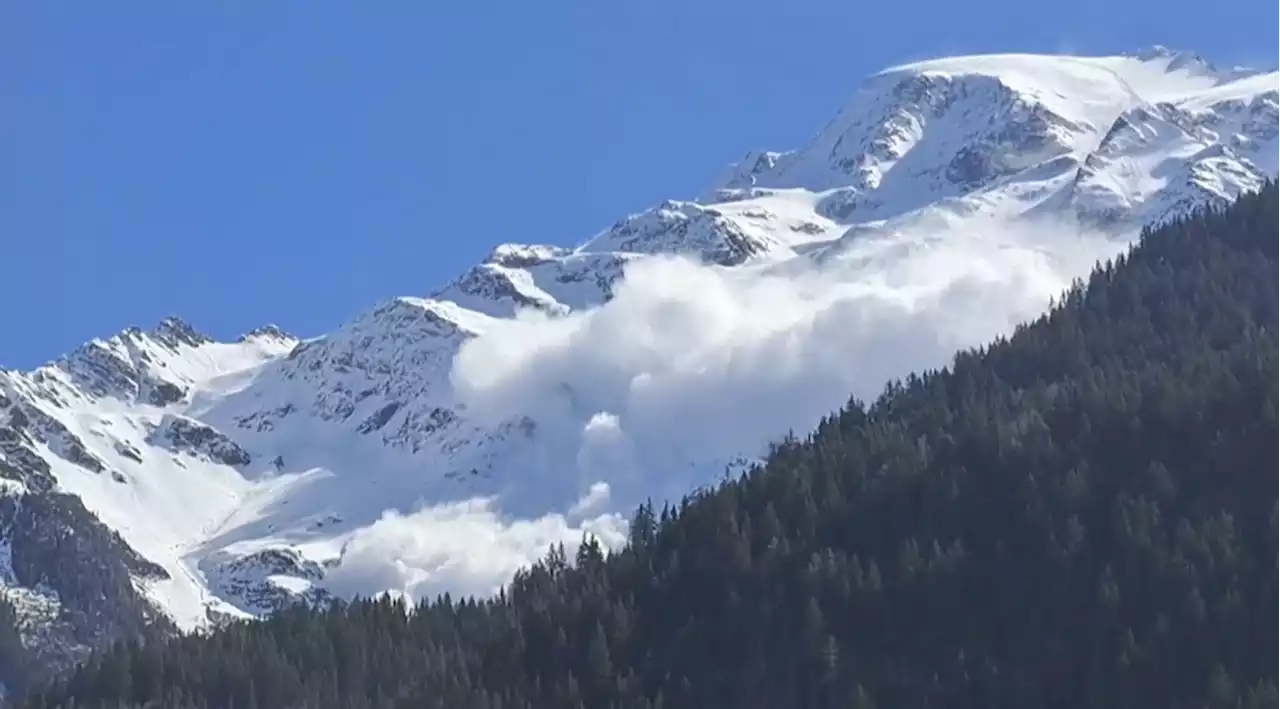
1242, 89
439, 443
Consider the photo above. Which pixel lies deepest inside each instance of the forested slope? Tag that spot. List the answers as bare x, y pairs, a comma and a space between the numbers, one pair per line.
1082, 515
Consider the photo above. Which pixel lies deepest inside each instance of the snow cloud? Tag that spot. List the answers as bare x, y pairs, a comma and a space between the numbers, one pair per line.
466, 548
691, 366
698, 364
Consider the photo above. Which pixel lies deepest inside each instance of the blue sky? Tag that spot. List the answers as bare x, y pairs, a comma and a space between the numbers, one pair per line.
238, 163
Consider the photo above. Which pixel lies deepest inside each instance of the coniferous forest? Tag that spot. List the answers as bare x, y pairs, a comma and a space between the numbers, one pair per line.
1081, 515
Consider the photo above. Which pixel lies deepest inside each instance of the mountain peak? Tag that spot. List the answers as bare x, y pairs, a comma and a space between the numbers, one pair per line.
1159, 51
270, 332
1176, 60
173, 331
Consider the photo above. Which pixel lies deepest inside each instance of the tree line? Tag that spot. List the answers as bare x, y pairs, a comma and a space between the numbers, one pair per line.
1081, 514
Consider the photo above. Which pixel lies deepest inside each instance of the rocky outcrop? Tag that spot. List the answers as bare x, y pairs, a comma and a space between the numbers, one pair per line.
266, 581
266, 332
176, 332
681, 228
181, 434
70, 581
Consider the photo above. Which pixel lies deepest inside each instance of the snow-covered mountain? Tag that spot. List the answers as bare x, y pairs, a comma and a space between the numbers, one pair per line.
438, 443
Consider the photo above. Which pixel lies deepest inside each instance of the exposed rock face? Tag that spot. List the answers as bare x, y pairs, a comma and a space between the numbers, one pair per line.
267, 580
174, 332
165, 393
185, 435
682, 228
379, 418
270, 332
69, 581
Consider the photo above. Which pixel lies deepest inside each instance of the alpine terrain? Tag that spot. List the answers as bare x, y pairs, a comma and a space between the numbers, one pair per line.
157, 480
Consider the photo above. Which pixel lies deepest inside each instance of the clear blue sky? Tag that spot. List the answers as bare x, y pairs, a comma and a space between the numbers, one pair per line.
238, 163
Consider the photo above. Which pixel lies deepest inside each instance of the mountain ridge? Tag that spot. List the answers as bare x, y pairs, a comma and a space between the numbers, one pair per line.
1080, 514
247, 471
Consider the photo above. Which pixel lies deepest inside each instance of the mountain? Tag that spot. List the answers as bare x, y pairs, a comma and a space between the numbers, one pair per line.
1083, 514
157, 479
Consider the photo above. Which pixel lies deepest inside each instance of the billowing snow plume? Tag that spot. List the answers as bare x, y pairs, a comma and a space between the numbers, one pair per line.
689, 367
464, 547
684, 349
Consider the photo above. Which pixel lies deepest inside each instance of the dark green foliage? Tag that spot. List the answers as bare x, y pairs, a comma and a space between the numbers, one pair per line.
54, 543
14, 658
1082, 515
54, 529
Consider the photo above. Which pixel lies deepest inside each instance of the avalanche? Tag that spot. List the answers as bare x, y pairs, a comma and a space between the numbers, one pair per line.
439, 443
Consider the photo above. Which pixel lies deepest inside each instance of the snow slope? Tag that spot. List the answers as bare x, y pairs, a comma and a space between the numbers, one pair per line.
439, 443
